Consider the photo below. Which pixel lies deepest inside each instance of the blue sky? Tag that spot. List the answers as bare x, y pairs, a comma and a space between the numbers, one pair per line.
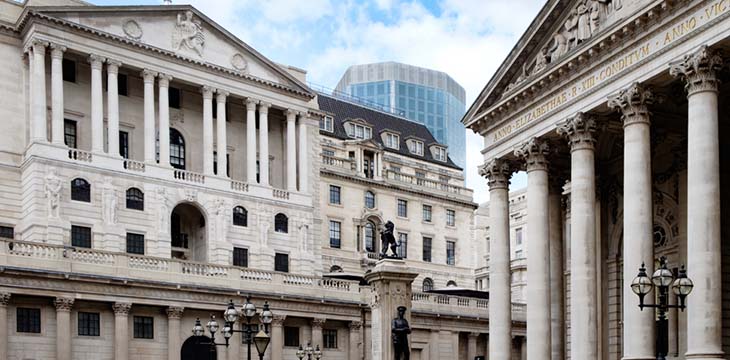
467, 39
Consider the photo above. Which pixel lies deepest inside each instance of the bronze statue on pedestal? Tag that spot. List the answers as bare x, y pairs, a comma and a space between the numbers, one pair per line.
399, 332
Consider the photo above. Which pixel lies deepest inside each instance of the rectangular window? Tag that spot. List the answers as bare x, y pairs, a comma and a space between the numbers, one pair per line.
174, 97
28, 320
122, 87
88, 324
403, 245
427, 249
440, 154
81, 236
335, 194
7, 232
450, 253
329, 338
69, 70
416, 147
450, 217
281, 262
392, 141
402, 208
240, 257
326, 123
124, 144
135, 244
427, 211
327, 152
518, 236
335, 239
69, 133
291, 336
144, 327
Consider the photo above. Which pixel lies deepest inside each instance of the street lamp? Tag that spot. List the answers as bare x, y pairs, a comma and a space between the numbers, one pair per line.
309, 351
662, 279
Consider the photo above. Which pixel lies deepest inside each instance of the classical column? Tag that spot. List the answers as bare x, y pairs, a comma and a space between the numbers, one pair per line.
704, 305
354, 346
97, 104
317, 324
121, 330
149, 115
4, 301
579, 130
38, 125
291, 150
163, 82
557, 303
251, 141
207, 129
535, 152
63, 327
56, 94
498, 173
638, 244
303, 154
112, 99
471, 345
221, 140
277, 337
174, 314
264, 143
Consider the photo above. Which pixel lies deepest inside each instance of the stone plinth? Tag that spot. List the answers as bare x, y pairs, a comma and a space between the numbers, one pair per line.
391, 280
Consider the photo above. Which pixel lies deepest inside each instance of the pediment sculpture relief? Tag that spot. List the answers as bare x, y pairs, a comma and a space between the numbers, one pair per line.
188, 34
239, 63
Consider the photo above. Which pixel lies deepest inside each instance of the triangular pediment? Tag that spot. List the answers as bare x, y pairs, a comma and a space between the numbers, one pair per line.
181, 30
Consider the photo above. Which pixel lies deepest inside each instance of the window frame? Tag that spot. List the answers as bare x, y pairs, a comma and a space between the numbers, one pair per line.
403, 245
402, 204
369, 200
174, 101
327, 123
124, 144
392, 140
427, 250
335, 193
427, 213
78, 230
7, 232
450, 217
450, 252
140, 326
66, 66
134, 199
335, 234
67, 135
240, 254
427, 285
329, 338
290, 339
88, 323
180, 148
416, 147
32, 323
240, 216
132, 243
281, 223
80, 190
370, 227
278, 262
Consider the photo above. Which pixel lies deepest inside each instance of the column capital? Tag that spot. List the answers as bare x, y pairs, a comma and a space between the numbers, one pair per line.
112, 66
174, 312
121, 308
4, 299
534, 152
698, 69
164, 80
633, 103
474, 334
221, 95
39, 45
207, 92
318, 323
63, 304
264, 107
278, 320
497, 172
57, 51
291, 114
579, 130
355, 325
251, 104
96, 61
148, 75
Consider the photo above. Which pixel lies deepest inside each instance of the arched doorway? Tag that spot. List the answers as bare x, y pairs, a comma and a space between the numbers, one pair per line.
188, 233
197, 348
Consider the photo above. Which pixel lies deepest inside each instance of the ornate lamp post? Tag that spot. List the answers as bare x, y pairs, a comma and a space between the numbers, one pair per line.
662, 279
309, 351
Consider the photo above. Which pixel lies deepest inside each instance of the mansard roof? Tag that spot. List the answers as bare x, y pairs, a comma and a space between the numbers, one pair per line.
342, 111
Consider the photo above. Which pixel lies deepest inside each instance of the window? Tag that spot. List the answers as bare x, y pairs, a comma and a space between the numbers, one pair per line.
28, 320
403, 245
122, 87
335, 194
329, 338
370, 200
451, 283
326, 123
80, 236
359, 131
144, 327
69, 70
450, 217
439, 154
7, 232
124, 144
392, 141
135, 243
135, 199
291, 336
450, 253
281, 223
335, 234
427, 285
240, 216
370, 237
518, 236
88, 324
416, 147
328, 152
69, 133
228, 163
427, 212
402, 208
281, 262
177, 149
427, 249
335, 269
240, 257
80, 190
174, 97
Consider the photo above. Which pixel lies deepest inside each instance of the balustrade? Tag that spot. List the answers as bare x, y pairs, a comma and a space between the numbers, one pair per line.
80, 155
189, 176
343, 163
280, 194
133, 165
239, 186
423, 182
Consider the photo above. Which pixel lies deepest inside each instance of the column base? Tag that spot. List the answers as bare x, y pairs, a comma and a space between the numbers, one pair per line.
705, 356
638, 358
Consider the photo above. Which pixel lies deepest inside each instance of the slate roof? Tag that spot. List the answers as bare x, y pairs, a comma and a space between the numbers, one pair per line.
342, 111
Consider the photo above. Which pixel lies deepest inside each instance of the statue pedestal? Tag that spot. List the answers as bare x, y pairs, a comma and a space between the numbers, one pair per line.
391, 281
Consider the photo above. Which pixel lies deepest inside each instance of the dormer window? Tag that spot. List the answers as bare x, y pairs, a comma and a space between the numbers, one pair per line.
359, 131
416, 147
327, 123
439, 153
392, 141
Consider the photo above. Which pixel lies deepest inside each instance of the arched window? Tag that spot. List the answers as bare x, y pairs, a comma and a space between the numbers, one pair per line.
135, 199
427, 284
240, 216
370, 200
177, 149
80, 190
451, 283
281, 223
370, 237
335, 269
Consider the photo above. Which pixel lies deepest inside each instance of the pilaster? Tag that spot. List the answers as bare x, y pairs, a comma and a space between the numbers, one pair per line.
121, 330
221, 136
63, 327
163, 83
4, 302
97, 104
148, 77
57, 103
174, 314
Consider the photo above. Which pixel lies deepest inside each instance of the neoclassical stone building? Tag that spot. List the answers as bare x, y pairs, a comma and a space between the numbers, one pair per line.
616, 110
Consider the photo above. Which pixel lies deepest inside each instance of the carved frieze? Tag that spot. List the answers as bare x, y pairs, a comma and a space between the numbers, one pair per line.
52, 191
188, 34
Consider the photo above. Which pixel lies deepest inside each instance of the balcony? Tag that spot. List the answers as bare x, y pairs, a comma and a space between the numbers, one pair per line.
420, 182
459, 306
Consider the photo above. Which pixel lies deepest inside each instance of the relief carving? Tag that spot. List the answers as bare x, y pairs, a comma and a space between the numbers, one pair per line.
132, 29
221, 217
52, 190
239, 63
162, 213
188, 34
109, 202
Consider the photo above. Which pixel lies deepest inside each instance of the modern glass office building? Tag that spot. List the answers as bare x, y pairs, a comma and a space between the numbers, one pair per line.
425, 96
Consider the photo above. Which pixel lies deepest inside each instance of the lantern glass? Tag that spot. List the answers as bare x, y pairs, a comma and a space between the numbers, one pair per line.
682, 286
317, 353
266, 315
212, 325
261, 340
249, 309
662, 277
227, 332
198, 328
641, 285
300, 352
231, 314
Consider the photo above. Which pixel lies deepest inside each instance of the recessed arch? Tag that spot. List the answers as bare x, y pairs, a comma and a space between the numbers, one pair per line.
197, 347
